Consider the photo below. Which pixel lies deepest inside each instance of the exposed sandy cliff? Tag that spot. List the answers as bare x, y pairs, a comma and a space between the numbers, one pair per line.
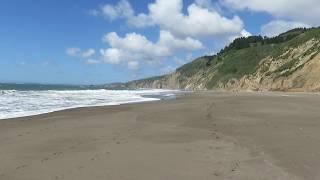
288, 62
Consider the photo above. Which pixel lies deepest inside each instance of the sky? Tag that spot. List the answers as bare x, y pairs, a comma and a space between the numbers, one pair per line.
104, 41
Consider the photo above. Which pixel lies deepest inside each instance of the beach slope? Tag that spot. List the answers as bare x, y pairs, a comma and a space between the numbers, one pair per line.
200, 136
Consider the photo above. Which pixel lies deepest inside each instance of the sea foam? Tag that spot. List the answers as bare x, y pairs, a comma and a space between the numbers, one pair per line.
14, 103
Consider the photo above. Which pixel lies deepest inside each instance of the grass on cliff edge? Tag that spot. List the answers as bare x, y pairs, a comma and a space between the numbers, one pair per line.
234, 64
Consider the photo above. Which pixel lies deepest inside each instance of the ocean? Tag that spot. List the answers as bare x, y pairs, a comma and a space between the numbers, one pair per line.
20, 100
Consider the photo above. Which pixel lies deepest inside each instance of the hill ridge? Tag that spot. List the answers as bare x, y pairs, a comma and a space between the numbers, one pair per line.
287, 62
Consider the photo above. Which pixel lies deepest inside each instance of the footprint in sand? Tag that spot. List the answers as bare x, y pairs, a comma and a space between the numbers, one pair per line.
216, 174
235, 166
57, 153
209, 109
188, 150
74, 145
107, 152
80, 167
217, 137
209, 116
59, 177
44, 160
95, 157
21, 167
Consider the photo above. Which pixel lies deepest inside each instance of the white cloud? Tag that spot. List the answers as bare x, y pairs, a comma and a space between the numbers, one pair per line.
133, 65
112, 55
171, 42
141, 20
277, 27
307, 11
200, 21
73, 51
134, 48
122, 10
245, 33
77, 52
92, 61
88, 53
229, 39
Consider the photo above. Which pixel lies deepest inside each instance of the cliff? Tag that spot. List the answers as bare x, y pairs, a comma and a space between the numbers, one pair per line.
288, 62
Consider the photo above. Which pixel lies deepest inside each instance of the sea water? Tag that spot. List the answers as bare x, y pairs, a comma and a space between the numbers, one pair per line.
19, 103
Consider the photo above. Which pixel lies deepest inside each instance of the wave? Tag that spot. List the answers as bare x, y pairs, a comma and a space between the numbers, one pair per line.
14, 103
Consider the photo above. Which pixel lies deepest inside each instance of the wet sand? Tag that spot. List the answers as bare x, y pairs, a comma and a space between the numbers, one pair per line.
241, 136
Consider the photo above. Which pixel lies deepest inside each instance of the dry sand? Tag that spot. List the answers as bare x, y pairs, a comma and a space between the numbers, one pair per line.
202, 136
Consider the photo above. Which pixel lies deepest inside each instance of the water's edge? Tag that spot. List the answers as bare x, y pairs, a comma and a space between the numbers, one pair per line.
117, 98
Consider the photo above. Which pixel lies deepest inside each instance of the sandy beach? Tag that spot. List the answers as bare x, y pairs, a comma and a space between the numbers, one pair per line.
200, 136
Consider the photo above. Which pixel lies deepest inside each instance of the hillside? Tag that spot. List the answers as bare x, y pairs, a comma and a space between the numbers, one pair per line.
288, 62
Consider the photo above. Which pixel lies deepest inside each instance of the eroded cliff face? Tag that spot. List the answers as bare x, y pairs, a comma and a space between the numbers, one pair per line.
298, 69
295, 68
170, 81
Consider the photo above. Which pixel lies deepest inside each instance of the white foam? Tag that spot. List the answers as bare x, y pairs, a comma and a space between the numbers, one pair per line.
26, 103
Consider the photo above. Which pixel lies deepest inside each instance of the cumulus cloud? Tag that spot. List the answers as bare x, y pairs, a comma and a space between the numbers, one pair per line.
134, 48
276, 27
229, 39
200, 21
122, 10
168, 41
112, 55
245, 33
180, 28
307, 11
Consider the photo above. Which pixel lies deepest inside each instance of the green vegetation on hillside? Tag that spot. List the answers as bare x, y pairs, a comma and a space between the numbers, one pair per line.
237, 63
253, 41
243, 56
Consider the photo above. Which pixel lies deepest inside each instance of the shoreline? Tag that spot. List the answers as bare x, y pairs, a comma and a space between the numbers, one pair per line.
201, 135
144, 98
177, 95
181, 94
74, 108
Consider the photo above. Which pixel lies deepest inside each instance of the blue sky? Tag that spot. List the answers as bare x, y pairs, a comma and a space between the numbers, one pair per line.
103, 41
